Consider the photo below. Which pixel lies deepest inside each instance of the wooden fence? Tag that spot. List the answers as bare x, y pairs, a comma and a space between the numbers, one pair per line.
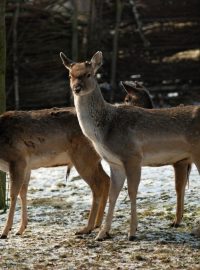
158, 39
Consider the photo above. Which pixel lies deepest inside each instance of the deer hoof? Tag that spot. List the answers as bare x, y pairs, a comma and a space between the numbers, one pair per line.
132, 238
103, 235
3, 236
174, 225
83, 231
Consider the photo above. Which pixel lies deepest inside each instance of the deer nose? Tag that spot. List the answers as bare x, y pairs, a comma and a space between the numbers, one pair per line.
77, 88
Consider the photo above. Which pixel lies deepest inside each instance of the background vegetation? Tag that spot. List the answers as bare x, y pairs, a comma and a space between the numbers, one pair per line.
158, 39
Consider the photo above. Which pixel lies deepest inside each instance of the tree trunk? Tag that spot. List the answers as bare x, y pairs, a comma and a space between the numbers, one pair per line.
115, 49
139, 23
91, 28
74, 49
75, 32
2, 92
15, 57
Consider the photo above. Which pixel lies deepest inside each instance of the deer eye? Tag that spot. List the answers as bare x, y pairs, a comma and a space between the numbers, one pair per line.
70, 76
88, 75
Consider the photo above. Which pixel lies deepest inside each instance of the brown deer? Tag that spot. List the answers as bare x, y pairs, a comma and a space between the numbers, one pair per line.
130, 137
48, 138
138, 95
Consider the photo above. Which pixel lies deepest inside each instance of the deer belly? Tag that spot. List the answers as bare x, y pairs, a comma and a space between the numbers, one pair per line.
49, 160
164, 150
163, 158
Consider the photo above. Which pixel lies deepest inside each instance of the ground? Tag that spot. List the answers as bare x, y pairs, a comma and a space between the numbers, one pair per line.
58, 209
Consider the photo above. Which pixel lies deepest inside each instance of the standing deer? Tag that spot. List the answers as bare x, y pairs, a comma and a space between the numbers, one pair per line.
138, 95
131, 137
48, 138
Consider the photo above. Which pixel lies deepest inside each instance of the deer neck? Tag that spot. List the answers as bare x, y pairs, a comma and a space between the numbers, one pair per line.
91, 111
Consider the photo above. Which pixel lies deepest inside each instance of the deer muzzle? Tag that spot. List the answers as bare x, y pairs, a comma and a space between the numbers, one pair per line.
77, 88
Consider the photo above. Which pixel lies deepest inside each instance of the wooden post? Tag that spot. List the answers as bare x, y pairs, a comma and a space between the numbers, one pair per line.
2, 92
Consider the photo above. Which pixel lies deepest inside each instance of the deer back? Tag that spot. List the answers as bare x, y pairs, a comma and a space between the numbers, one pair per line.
41, 137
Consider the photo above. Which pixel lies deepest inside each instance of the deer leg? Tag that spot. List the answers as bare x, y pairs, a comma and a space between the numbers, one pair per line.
103, 182
99, 183
133, 172
182, 170
23, 197
90, 169
86, 166
103, 200
90, 175
93, 212
117, 181
17, 176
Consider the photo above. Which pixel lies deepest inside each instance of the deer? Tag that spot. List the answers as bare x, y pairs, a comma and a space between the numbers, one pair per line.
48, 138
138, 95
129, 137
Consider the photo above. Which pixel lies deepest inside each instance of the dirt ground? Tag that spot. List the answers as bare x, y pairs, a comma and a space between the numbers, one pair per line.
57, 209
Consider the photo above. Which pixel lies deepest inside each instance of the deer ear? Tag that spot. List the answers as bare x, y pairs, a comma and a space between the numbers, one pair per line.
66, 61
127, 86
97, 61
123, 86
139, 85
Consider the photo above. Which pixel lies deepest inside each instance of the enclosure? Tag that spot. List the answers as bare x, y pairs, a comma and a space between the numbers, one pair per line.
156, 42
157, 39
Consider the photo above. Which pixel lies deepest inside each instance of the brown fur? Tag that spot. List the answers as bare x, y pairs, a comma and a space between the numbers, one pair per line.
48, 138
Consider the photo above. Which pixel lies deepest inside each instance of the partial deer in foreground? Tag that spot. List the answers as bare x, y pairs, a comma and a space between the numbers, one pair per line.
48, 138
138, 95
131, 137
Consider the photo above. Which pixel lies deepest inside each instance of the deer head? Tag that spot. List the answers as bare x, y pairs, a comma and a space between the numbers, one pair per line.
137, 94
82, 75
